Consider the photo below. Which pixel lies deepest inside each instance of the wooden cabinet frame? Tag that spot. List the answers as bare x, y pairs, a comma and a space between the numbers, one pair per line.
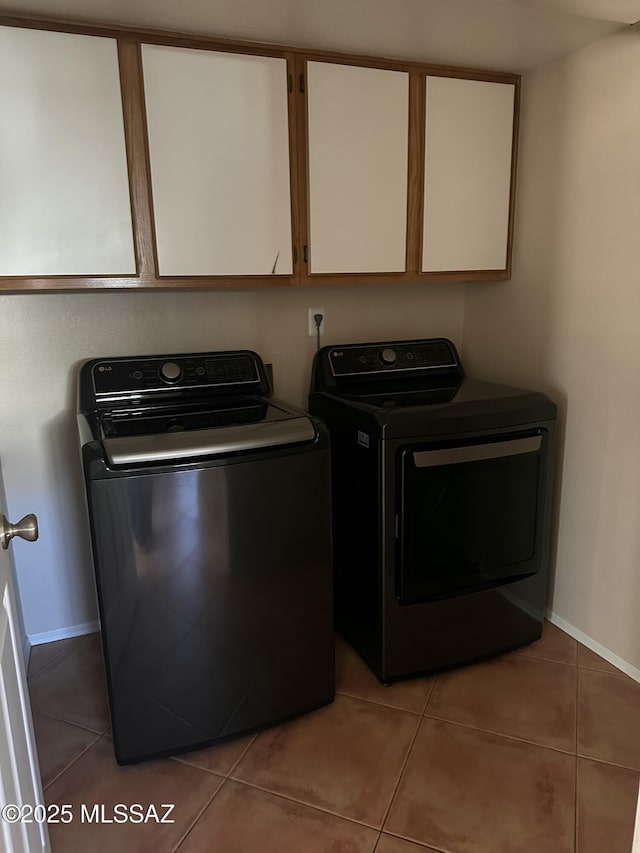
129, 42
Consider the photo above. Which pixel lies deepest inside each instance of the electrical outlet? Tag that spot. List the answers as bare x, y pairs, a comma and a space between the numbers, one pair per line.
312, 323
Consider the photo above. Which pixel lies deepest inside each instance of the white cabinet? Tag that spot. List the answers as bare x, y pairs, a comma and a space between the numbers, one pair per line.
219, 146
467, 182
358, 138
216, 164
64, 192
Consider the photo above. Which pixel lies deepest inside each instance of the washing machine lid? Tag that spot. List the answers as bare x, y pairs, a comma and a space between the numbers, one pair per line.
132, 436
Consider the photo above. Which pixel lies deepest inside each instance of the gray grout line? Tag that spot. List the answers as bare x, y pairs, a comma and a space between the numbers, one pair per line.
244, 752
379, 704
181, 759
498, 734
99, 732
430, 696
53, 660
419, 844
71, 763
609, 763
401, 774
540, 657
183, 837
416, 843
304, 803
617, 672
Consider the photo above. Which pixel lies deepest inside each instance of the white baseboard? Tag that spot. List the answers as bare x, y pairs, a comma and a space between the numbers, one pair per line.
590, 643
63, 633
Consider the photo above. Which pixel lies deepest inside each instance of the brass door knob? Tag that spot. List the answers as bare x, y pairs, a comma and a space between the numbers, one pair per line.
26, 528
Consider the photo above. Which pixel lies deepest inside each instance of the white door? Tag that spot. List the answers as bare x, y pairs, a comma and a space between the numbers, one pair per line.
20, 784
636, 834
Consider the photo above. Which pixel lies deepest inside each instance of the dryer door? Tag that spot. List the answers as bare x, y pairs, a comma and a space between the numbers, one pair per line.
470, 515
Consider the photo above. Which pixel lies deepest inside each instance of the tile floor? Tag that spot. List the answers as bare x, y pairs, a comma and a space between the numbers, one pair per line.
537, 751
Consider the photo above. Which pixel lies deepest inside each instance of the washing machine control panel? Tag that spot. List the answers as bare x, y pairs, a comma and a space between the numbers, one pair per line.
387, 357
124, 376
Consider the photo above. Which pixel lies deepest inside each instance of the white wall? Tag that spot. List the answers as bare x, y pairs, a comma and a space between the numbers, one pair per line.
43, 338
569, 321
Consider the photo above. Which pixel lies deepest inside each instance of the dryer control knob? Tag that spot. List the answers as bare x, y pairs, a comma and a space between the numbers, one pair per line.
170, 371
388, 356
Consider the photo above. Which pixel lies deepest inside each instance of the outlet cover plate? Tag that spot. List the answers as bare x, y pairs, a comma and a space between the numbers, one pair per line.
312, 325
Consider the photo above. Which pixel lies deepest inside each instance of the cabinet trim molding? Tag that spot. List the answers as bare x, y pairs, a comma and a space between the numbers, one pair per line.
177, 39
135, 134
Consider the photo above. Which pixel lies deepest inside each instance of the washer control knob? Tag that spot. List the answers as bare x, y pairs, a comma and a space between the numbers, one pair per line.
388, 356
170, 371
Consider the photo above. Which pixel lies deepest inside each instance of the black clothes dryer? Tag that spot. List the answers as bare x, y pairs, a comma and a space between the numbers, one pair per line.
209, 506
441, 505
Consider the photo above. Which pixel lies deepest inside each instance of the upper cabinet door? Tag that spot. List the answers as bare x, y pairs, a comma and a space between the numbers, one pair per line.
64, 192
357, 168
219, 146
469, 132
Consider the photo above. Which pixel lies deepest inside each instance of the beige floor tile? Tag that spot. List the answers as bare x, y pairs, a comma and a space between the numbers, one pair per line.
590, 660
59, 744
607, 798
244, 820
218, 759
466, 791
513, 695
96, 778
45, 653
609, 718
390, 844
354, 678
345, 758
553, 645
72, 687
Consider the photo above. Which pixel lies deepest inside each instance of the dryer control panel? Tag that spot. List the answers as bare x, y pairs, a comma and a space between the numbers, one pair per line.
392, 356
386, 365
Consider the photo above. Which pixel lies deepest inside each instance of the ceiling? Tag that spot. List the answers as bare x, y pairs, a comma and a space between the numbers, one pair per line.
511, 35
624, 11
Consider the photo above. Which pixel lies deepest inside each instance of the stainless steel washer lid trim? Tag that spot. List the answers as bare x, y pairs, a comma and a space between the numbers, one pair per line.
167, 447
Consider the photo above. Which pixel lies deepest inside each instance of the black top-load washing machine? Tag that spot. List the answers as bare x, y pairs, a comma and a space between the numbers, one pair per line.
209, 506
441, 505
